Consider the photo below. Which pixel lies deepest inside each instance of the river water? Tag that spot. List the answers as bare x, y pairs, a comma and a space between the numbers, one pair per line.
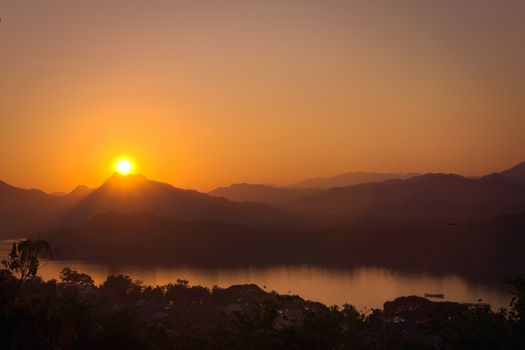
364, 287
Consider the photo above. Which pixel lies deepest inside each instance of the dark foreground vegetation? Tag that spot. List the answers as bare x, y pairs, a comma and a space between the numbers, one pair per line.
74, 313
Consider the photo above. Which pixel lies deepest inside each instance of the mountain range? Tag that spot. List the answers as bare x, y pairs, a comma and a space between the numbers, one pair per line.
429, 196
311, 224
349, 179
24, 212
271, 195
245, 192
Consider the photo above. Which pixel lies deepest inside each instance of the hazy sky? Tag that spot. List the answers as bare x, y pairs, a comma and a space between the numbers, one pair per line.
206, 93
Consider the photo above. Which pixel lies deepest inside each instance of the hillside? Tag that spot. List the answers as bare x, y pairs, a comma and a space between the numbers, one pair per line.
259, 193
23, 211
431, 196
135, 193
348, 179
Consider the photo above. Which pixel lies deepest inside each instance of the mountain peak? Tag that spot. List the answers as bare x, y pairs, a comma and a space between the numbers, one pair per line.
117, 180
79, 192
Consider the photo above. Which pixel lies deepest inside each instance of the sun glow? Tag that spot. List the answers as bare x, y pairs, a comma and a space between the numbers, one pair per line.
124, 166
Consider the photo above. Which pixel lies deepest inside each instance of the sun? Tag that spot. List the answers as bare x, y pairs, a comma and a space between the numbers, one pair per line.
124, 166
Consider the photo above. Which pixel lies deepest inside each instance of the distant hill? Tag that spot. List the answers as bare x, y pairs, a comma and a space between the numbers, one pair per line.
348, 179
244, 192
430, 196
135, 193
24, 210
79, 192
442, 197
259, 193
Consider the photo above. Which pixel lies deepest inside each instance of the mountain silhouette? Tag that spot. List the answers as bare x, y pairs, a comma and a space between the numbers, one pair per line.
245, 192
259, 193
25, 210
430, 196
349, 179
516, 173
443, 197
79, 192
136, 193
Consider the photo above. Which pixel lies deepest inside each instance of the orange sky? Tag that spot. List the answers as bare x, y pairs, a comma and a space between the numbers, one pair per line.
206, 93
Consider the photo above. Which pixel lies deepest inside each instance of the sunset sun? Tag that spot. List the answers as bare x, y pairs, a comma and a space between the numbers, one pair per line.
124, 167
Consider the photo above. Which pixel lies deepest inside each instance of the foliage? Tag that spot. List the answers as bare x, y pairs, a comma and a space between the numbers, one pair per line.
122, 285
517, 305
70, 276
24, 258
122, 313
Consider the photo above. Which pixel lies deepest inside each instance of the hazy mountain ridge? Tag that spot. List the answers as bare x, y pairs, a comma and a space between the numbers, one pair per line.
273, 195
429, 196
245, 192
26, 211
23, 211
135, 193
442, 197
349, 179
80, 191
29, 211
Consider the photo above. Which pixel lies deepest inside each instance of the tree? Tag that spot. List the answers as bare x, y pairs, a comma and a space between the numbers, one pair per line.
24, 258
517, 305
71, 276
123, 285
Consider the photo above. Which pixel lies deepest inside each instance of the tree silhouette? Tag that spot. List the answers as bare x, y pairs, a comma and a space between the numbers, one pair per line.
71, 276
24, 258
517, 305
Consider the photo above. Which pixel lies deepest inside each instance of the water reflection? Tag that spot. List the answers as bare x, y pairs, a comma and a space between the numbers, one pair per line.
364, 287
